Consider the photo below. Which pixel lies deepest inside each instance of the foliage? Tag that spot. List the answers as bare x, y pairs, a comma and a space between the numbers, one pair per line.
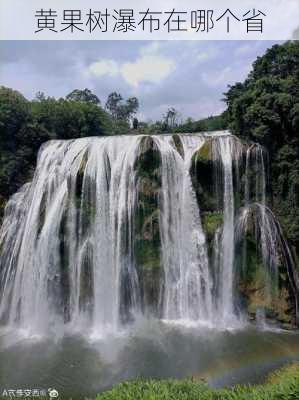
212, 123
67, 119
85, 96
25, 125
265, 108
170, 119
120, 109
211, 222
282, 385
170, 124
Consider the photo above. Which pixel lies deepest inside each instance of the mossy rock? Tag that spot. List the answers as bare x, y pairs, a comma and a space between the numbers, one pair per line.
147, 241
80, 174
3, 203
86, 279
205, 153
42, 214
211, 221
256, 286
148, 162
64, 267
178, 144
202, 177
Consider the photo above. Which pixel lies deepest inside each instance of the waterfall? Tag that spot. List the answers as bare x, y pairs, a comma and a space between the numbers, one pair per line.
73, 251
76, 244
226, 152
270, 243
187, 282
67, 238
255, 192
255, 174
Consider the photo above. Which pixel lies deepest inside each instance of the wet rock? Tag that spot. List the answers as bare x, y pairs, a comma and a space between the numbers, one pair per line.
147, 241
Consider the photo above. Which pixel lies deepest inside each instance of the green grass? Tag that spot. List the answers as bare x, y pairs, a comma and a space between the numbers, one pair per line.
280, 385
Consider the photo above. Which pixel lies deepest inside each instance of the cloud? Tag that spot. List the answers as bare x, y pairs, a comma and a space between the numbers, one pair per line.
148, 68
103, 67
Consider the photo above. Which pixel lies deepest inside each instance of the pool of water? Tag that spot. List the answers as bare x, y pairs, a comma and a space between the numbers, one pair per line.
86, 364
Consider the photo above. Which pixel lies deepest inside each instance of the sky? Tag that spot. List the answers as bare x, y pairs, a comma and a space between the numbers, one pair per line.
190, 76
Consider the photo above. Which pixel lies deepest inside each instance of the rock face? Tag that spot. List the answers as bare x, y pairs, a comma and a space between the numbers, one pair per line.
202, 174
147, 241
178, 145
259, 287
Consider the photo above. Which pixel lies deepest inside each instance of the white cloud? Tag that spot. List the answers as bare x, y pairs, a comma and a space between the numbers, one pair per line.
104, 67
147, 68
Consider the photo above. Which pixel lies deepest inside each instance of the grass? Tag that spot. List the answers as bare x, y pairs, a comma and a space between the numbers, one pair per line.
280, 385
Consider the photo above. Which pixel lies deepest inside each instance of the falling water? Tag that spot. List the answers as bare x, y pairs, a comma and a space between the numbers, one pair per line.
270, 243
67, 242
70, 258
71, 253
226, 150
187, 293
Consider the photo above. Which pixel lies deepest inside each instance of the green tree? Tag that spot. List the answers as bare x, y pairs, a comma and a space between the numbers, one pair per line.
120, 109
113, 103
84, 96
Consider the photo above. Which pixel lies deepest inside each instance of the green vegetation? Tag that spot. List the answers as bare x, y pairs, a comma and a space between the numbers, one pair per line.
280, 385
212, 123
25, 125
202, 176
147, 241
259, 288
211, 222
170, 124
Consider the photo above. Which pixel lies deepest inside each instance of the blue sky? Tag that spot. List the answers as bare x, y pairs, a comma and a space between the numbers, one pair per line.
188, 75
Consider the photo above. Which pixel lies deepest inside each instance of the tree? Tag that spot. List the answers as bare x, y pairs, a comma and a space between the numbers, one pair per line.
263, 107
119, 109
135, 123
132, 105
20, 138
14, 114
171, 118
83, 96
112, 104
